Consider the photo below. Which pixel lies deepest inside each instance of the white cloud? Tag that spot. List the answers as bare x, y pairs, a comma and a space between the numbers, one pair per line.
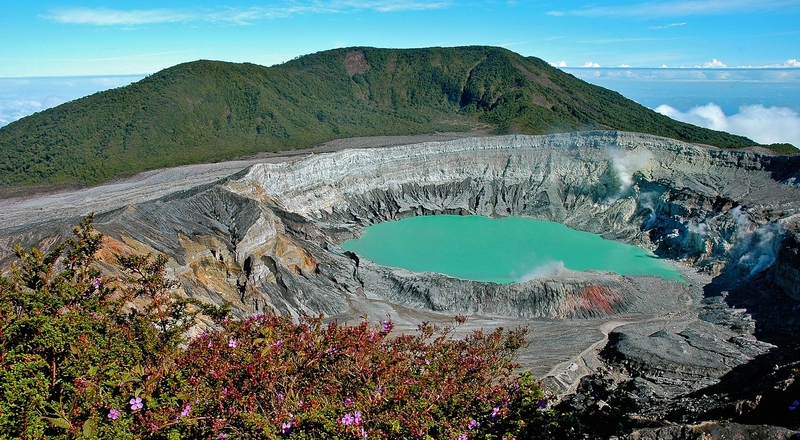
112, 17
624, 65
668, 25
765, 125
12, 110
559, 64
790, 63
679, 8
714, 64
591, 64
390, 5
117, 17
786, 75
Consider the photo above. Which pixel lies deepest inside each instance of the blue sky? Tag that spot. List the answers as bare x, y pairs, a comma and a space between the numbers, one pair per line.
90, 37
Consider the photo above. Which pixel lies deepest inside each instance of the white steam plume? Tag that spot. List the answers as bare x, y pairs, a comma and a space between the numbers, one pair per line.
741, 217
757, 247
760, 247
767, 125
548, 268
626, 163
647, 201
700, 229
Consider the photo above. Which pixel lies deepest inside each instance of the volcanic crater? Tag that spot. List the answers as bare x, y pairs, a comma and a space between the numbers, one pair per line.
267, 239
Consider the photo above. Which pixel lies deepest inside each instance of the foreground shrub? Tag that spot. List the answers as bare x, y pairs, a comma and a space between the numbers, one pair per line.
77, 360
270, 377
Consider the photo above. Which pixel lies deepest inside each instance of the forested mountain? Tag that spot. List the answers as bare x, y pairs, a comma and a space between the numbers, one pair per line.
209, 111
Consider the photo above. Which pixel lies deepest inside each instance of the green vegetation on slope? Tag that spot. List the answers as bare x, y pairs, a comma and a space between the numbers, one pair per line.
209, 111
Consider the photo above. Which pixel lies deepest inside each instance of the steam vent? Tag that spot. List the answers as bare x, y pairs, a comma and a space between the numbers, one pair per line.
267, 239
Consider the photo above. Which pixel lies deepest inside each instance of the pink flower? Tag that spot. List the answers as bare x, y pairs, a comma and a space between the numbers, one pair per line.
463, 437
347, 420
97, 283
233, 343
387, 326
473, 424
136, 403
114, 413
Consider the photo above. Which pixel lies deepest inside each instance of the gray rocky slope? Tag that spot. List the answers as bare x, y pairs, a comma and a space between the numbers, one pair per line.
267, 239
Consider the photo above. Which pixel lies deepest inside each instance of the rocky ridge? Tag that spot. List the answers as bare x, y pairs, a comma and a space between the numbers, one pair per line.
266, 239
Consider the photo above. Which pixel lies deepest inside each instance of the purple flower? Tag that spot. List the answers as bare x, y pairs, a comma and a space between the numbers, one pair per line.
277, 345
473, 424
357, 418
363, 432
495, 412
97, 283
233, 343
347, 401
114, 413
186, 410
542, 404
136, 403
387, 326
794, 405
222, 435
347, 419
330, 351
463, 437
286, 427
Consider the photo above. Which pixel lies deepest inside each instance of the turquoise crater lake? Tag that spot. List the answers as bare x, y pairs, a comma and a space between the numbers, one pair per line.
507, 250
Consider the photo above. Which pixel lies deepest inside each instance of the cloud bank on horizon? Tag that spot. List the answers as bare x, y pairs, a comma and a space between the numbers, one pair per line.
713, 64
765, 125
20, 97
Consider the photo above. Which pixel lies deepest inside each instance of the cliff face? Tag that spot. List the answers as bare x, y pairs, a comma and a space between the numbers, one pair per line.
266, 239
684, 201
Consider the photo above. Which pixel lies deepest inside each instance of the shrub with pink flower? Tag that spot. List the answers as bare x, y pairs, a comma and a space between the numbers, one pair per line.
262, 377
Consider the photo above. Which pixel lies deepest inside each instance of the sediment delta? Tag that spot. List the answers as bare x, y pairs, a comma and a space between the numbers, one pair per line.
267, 239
